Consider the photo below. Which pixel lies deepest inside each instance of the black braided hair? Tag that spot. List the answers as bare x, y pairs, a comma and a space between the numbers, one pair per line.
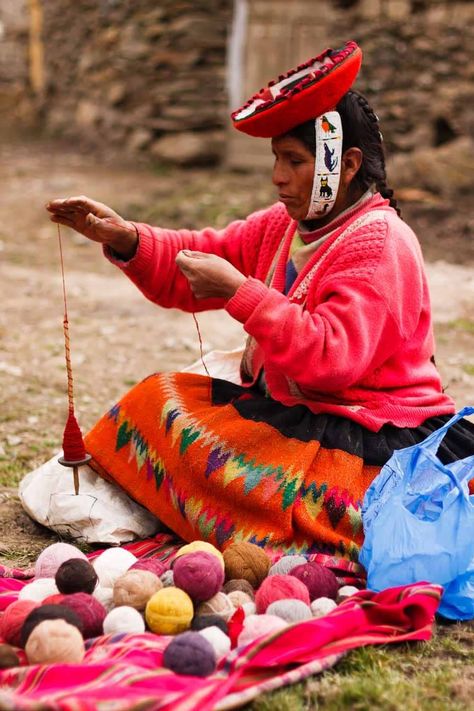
360, 128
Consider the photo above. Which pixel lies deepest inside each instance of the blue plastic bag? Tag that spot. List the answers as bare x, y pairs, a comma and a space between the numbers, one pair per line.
418, 522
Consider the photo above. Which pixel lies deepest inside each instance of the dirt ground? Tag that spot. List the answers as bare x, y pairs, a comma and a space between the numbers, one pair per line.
117, 336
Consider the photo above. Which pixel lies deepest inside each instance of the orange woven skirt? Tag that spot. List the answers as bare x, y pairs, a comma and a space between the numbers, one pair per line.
216, 461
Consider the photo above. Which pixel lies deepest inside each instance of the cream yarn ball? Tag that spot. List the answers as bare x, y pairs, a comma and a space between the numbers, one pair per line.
53, 642
124, 619
38, 590
135, 588
218, 639
290, 610
219, 604
322, 606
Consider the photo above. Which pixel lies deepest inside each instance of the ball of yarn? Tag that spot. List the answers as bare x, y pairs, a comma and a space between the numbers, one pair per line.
153, 565
219, 605
13, 618
199, 574
247, 561
249, 608
90, 612
135, 588
286, 564
48, 612
238, 598
124, 619
167, 579
199, 546
51, 558
191, 654
111, 564
200, 622
38, 590
239, 584
55, 642
322, 606
76, 575
320, 581
255, 626
345, 592
169, 611
280, 587
219, 641
53, 599
290, 610
8, 657
105, 596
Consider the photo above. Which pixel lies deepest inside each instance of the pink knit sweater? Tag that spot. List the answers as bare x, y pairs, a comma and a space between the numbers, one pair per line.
354, 335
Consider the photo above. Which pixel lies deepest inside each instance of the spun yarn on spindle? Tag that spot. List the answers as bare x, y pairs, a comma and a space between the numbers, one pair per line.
322, 606
199, 546
255, 626
111, 564
55, 642
135, 588
285, 565
124, 619
218, 639
153, 565
190, 653
280, 587
48, 612
219, 605
169, 611
290, 610
200, 622
247, 561
76, 575
51, 558
38, 589
90, 612
199, 574
13, 618
239, 584
8, 657
320, 581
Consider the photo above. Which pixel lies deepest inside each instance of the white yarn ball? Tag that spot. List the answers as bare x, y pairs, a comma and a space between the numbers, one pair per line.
256, 626
218, 639
167, 579
111, 564
345, 592
124, 619
105, 596
287, 563
322, 606
249, 608
38, 589
290, 610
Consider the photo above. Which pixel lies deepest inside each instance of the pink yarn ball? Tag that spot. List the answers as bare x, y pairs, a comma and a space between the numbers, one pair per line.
280, 587
153, 565
255, 626
51, 558
199, 574
320, 581
11, 623
89, 610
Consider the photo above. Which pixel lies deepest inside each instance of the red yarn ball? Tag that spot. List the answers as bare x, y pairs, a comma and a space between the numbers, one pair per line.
199, 574
13, 618
320, 581
153, 565
89, 610
55, 599
280, 587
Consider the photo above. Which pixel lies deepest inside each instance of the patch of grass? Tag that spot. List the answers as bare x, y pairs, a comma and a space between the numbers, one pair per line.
12, 470
468, 368
463, 324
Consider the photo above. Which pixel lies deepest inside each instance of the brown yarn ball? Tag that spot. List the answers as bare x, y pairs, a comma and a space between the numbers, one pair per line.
8, 657
239, 584
135, 588
247, 561
76, 575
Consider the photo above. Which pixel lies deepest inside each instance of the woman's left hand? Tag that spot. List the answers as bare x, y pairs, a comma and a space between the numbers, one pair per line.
209, 276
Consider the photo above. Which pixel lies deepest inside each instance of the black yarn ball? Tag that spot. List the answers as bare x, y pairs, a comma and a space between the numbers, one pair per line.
48, 612
76, 575
201, 621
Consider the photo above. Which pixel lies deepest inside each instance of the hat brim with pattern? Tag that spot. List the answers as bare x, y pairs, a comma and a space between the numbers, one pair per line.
303, 93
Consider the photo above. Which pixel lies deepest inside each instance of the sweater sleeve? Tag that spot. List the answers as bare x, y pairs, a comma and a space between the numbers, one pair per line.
154, 271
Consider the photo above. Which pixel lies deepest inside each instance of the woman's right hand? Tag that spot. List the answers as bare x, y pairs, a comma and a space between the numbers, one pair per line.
97, 222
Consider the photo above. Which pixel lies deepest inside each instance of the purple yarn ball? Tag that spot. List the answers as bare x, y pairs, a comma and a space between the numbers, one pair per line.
190, 653
320, 581
89, 610
199, 574
153, 565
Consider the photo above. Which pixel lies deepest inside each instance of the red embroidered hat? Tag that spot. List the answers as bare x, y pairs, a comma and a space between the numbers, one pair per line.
301, 94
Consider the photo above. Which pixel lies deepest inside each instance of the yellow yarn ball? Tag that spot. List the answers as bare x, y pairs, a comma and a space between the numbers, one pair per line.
169, 611
202, 546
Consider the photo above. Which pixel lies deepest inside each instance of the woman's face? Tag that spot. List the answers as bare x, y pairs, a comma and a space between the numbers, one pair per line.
293, 173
